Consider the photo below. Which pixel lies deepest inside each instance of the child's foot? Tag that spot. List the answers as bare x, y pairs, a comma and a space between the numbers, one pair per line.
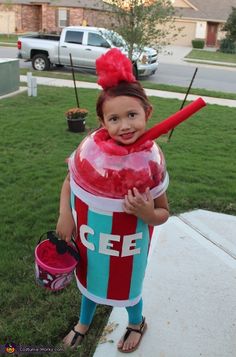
132, 338
75, 336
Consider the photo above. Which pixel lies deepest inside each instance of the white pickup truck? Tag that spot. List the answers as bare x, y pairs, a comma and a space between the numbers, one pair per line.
85, 44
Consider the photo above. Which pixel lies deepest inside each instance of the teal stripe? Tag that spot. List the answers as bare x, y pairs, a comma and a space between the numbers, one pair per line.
72, 200
98, 264
139, 260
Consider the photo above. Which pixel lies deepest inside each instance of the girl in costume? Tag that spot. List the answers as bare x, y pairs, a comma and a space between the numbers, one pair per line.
112, 197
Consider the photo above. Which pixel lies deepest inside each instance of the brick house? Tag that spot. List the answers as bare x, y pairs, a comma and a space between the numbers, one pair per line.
51, 16
198, 18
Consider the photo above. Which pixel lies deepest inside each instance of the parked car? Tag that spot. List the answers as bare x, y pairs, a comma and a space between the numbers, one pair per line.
85, 44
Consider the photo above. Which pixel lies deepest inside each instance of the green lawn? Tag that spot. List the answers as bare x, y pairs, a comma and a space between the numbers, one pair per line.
8, 38
34, 145
212, 56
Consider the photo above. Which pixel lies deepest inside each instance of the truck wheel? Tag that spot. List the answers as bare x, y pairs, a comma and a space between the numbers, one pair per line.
41, 62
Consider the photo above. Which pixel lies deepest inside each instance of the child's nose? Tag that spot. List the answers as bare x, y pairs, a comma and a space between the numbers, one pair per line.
125, 124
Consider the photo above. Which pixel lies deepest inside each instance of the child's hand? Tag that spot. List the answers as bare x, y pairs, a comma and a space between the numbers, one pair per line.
65, 226
141, 205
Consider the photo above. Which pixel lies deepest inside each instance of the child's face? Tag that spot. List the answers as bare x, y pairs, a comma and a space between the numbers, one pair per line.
124, 118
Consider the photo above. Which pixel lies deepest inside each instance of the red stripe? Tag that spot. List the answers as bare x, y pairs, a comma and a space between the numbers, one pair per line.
82, 218
151, 229
121, 267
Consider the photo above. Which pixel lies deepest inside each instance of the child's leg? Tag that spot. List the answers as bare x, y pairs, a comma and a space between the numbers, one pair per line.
75, 336
87, 311
135, 313
131, 339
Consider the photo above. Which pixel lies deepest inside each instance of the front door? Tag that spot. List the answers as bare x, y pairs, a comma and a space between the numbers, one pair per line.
212, 28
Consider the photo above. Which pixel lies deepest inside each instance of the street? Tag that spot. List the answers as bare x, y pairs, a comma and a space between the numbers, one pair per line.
209, 77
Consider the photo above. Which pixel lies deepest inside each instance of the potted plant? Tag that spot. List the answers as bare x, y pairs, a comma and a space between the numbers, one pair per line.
76, 119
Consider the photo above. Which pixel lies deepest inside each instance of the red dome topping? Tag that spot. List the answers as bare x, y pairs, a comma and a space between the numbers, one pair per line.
107, 169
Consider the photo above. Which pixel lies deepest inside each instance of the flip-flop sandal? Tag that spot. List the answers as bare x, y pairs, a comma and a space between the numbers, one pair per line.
141, 331
76, 340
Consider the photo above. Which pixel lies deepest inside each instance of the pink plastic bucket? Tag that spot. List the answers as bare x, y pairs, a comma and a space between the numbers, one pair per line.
53, 268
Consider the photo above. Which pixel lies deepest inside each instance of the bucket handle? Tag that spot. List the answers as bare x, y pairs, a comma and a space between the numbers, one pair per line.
61, 245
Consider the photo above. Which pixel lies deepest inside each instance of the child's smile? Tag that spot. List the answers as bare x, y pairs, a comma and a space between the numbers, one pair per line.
124, 118
127, 136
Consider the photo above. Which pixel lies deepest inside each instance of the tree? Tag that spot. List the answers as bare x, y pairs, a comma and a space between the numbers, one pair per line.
230, 26
228, 44
143, 23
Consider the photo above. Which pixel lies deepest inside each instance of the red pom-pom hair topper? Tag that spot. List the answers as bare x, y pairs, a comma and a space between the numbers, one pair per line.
114, 67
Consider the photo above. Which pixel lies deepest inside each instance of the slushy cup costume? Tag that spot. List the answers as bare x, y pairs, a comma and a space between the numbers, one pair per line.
113, 245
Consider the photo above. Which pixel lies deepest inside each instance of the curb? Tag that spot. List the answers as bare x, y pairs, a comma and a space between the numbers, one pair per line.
215, 63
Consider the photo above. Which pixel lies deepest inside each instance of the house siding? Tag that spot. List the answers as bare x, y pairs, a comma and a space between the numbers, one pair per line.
98, 18
181, 3
30, 18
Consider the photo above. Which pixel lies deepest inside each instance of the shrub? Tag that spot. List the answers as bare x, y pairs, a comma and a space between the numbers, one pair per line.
227, 45
198, 43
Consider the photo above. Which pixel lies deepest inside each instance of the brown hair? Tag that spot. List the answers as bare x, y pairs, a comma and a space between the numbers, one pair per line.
130, 89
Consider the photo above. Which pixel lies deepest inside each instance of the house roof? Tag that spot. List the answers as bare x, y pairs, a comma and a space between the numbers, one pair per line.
89, 4
206, 9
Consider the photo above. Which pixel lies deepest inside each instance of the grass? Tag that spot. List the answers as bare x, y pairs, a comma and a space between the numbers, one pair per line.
212, 56
12, 38
34, 147
8, 38
92, 78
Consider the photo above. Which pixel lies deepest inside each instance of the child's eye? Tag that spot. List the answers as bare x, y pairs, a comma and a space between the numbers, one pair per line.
132, 114
113, 119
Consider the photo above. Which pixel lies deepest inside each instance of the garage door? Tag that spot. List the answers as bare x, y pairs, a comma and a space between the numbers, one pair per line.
187, 34
7, 22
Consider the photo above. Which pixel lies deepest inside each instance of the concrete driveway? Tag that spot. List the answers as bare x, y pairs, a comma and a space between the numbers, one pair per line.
189, 291
173, 54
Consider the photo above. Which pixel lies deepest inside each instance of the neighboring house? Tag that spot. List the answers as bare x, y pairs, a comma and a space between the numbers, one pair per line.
202, 19
51, 16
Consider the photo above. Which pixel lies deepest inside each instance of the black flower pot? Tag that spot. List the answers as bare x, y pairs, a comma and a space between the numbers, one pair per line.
76, 125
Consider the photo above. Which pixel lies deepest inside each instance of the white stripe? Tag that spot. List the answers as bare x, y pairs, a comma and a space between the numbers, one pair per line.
100, 211
160, 189
104, 301
111, 204
96, 202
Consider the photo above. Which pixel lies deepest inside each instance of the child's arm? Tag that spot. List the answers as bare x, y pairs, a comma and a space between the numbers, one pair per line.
65, 224
153, 212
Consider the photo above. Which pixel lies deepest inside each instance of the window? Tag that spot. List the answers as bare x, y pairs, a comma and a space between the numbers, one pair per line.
95, 39
74, 37
62, 17
116, 39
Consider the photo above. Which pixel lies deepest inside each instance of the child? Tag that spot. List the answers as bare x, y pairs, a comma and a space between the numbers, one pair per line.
123, 110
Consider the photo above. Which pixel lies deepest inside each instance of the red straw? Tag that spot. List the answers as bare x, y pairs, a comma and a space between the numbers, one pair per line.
171, 122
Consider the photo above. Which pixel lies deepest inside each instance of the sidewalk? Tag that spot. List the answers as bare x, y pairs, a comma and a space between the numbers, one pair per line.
189, 291
150, 92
